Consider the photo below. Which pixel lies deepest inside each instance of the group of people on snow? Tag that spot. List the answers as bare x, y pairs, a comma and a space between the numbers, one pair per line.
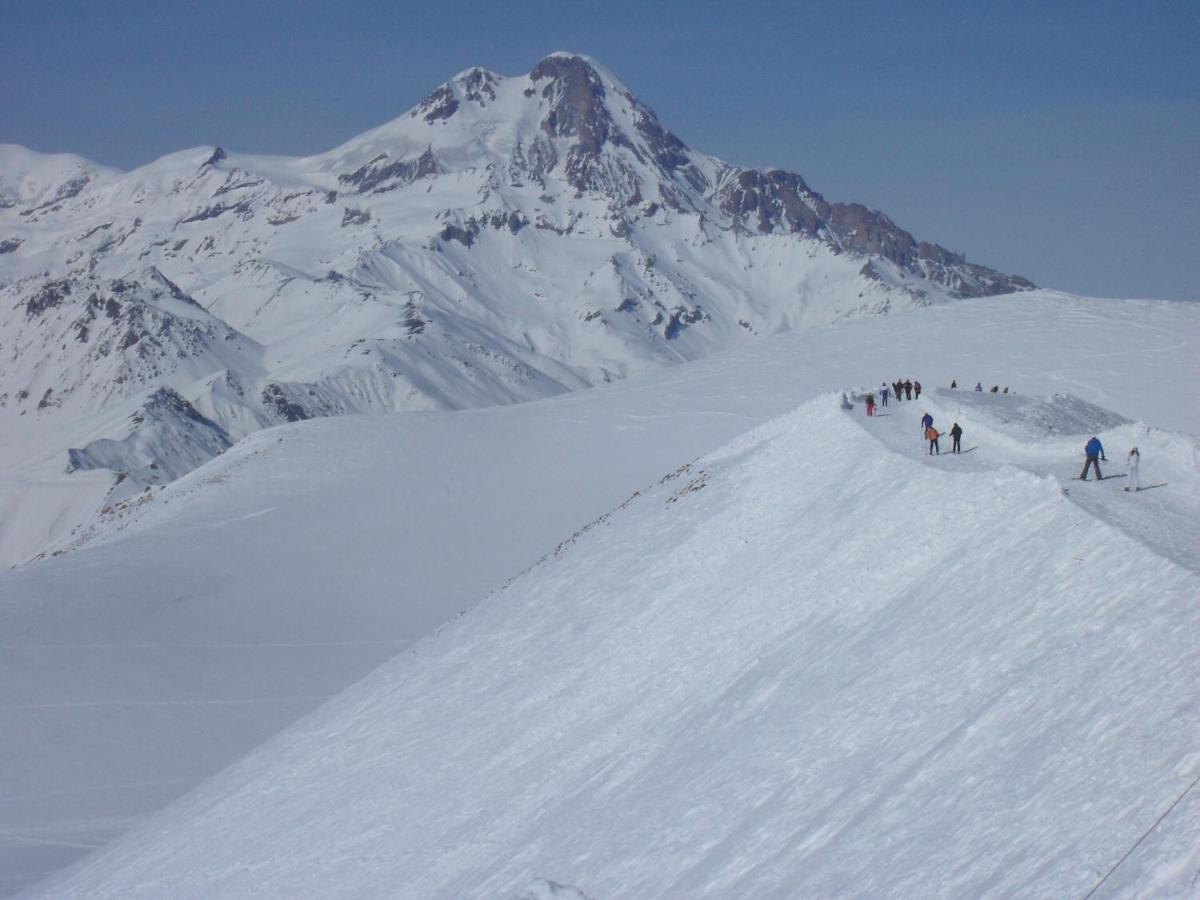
901, 390
932, 435
1093, 455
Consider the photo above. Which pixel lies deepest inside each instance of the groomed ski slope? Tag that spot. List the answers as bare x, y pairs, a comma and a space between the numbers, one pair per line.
814, 663
187, 629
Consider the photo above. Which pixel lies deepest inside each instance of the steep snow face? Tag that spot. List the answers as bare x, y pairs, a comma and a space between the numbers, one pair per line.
807, 664
508, 239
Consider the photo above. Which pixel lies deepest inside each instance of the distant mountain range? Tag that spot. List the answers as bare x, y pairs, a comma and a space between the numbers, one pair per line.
507, 239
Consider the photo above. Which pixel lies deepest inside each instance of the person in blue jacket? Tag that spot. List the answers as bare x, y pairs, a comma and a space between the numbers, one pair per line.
926, 422
1093, 451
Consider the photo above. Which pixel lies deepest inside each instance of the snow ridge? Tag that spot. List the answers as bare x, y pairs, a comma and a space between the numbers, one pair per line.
787, 670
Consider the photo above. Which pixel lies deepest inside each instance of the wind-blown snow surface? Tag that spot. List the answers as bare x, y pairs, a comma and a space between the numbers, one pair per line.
199, 622
806, 665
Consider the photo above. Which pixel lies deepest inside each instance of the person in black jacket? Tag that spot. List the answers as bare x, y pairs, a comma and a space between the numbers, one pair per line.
907, 389
956, 434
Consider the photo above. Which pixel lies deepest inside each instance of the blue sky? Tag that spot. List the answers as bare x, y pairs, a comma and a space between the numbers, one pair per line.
1060, 141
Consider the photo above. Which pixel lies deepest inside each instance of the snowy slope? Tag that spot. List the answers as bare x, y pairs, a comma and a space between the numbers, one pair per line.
782, 670
198, 620
508, 239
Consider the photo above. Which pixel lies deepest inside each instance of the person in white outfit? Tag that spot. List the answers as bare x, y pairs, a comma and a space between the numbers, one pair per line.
1131, 471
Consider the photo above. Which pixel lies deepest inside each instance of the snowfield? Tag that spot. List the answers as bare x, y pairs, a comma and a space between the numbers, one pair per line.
814, 662
805, 665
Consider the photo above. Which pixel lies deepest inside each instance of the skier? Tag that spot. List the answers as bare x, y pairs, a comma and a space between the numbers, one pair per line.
898, 390
883, 393
870, 404
956, 435
917, 389
1005, 391
1131, 471
1092, 450
908, 386
926, 422
932, 434
995, 389
979, 387
953, 384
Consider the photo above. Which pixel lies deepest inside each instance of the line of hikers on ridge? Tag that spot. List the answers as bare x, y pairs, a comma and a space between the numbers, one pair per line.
1093, 451
906, 389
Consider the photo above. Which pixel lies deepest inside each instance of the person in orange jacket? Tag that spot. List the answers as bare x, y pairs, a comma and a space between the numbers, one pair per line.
932, 434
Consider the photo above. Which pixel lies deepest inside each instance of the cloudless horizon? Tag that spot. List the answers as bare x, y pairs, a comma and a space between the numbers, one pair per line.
1056, 141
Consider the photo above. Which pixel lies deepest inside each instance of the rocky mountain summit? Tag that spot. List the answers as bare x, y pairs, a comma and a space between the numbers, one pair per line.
508, 238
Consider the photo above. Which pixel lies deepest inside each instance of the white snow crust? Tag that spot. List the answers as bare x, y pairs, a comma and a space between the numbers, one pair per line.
806, 665
815, 662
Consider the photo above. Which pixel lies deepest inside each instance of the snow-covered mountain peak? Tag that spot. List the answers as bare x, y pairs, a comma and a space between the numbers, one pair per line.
508, 238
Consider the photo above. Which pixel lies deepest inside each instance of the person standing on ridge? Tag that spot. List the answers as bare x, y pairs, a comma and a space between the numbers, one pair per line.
883, 393
870, 404
932, 434
1093, 450
953, 385
926, 422
979, 387
908, 386
956, 437
1131, 471
917, 390
898, 390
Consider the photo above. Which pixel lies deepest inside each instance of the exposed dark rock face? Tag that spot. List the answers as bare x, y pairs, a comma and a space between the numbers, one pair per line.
413, 323
680, 317
465, 236
217, 156
47, 297
441, 104
479, 86
776, 201
354, 216
466, 232
379, 175
10, 245
275, 399
577, 110
236, 180
242, 208
671, 155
